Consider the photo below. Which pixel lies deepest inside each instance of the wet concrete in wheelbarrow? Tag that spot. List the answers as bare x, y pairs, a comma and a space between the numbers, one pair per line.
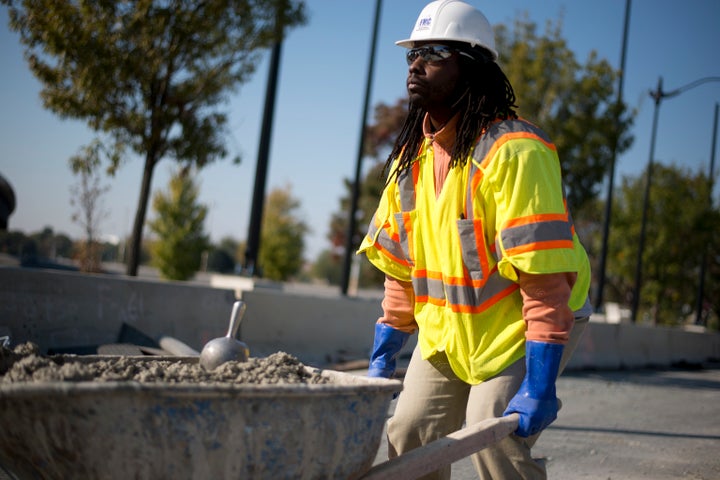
24, 363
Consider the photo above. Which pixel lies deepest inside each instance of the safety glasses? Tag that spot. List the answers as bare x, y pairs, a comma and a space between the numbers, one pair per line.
432, 53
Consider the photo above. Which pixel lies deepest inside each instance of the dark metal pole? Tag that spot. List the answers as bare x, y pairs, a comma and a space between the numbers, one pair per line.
701, 287
350, 243
611, 172
256, 212
657, 95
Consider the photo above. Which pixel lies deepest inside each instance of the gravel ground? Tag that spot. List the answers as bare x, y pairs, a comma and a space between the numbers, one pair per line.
630, 425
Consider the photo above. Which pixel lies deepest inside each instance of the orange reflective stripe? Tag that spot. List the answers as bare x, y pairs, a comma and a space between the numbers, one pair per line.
476, 176
540, 217
537, 246
533, 135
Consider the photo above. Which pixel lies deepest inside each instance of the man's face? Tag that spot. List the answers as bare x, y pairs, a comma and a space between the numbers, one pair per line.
433, 74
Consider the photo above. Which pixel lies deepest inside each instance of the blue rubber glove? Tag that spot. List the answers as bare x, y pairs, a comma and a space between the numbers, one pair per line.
388, 343
535, 401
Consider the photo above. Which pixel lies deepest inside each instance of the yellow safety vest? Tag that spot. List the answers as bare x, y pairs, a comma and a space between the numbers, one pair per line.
503, 210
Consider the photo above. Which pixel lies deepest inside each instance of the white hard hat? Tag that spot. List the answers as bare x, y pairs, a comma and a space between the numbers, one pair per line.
452, 20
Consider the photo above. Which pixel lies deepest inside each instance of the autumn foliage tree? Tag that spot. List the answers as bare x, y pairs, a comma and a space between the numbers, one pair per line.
149, 75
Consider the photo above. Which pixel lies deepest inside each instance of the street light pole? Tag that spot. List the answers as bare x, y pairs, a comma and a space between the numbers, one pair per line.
611, 171
701, 284
657, 95
256, 211
350, 240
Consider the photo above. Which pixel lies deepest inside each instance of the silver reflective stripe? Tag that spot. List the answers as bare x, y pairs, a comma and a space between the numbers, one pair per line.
476, 296
469, 248
406, 187
403, 234
461, 297
372, 228
435, 288
536, 232
420, 287
384, 240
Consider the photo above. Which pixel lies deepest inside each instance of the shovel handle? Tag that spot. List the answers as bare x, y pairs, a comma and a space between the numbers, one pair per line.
238, 311
445, 450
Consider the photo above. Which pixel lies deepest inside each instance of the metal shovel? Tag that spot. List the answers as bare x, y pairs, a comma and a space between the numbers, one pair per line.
227, 348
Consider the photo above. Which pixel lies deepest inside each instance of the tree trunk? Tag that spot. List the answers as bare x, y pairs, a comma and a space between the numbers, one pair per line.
136, 239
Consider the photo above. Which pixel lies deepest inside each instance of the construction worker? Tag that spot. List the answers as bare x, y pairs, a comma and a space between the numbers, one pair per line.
479, 251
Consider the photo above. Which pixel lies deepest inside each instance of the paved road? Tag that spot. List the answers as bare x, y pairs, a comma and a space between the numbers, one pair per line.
630, 425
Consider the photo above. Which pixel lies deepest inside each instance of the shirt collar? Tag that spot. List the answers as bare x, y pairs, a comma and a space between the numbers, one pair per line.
445, 136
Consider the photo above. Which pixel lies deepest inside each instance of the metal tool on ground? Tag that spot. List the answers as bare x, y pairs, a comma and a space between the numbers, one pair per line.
445, 450
227, 348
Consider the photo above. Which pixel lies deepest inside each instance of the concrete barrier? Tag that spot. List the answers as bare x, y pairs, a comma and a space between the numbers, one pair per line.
315, 328
616, 346
61, 309
66, 309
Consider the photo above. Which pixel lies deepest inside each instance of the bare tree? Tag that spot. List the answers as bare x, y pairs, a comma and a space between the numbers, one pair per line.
86, 199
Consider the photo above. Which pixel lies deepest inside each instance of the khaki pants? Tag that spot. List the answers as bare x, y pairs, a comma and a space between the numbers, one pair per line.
434, 403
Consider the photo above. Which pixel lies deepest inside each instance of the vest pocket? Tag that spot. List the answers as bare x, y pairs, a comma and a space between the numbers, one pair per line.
472, 245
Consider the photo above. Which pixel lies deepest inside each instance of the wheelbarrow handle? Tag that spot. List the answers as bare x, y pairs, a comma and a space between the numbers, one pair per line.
445, 450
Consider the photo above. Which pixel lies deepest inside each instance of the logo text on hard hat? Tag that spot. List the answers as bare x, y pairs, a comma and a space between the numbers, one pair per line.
424, 23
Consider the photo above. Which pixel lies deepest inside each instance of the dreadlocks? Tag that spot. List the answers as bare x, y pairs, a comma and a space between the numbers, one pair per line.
489, 96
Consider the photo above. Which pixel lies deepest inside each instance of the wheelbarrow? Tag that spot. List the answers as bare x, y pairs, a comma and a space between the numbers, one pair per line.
120, 430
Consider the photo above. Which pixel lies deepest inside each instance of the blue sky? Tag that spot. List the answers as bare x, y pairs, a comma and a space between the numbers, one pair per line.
319, 108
